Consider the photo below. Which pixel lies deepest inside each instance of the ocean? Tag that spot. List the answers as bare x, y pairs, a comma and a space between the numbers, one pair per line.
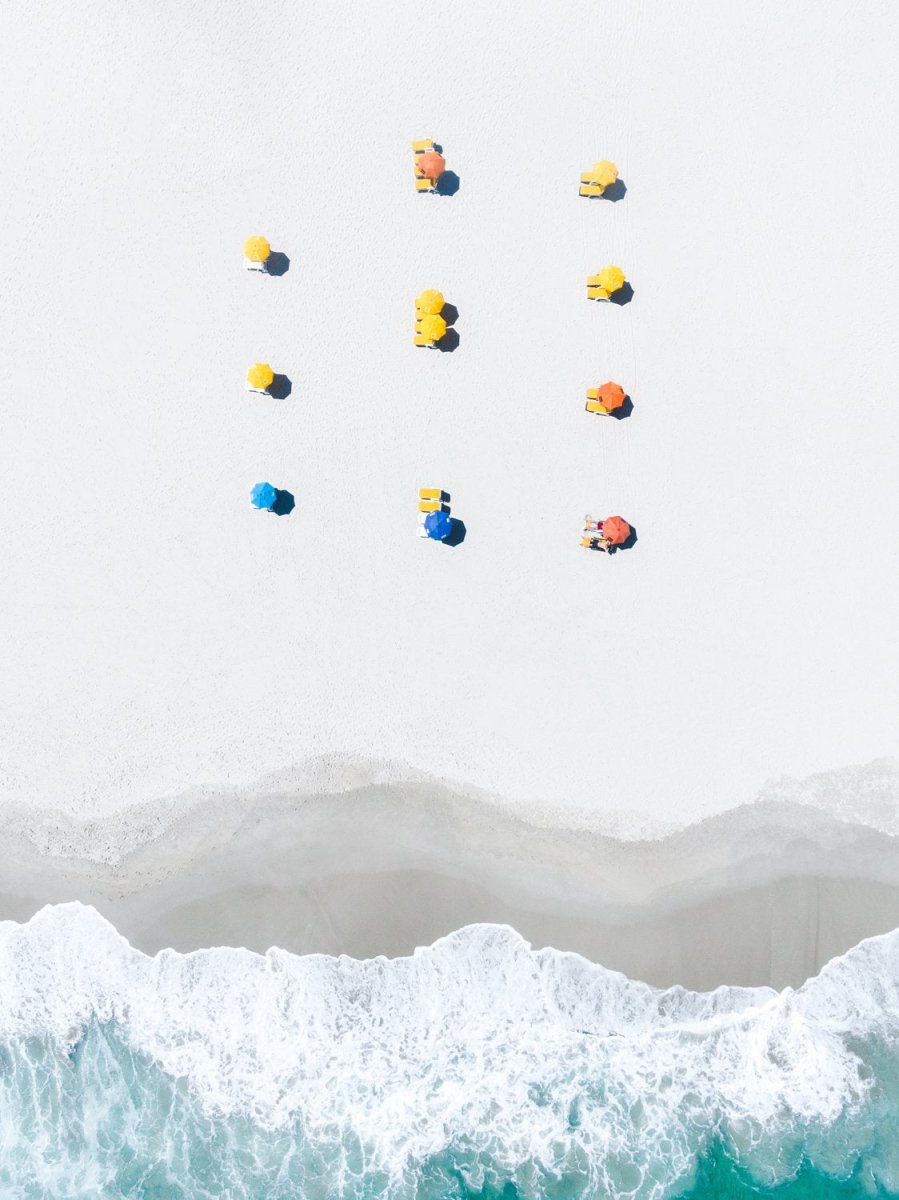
477, 1067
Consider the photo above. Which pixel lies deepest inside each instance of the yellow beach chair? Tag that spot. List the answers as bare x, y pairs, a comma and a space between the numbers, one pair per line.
595, 290
430, 500
590, 189
422, 184
420, 338
594, 404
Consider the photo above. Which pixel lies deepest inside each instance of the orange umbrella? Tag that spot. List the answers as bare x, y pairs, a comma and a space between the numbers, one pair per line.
616, 529
611, 396
431, 164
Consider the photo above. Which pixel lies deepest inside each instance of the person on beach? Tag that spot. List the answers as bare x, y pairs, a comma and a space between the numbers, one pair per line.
597, 541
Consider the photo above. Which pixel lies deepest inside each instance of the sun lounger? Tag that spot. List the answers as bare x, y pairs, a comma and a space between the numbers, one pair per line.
591, 189
261, 391
592, 543
428, 506
595, 290
594, 404
254, 266
591, 525
431, 493
420, 147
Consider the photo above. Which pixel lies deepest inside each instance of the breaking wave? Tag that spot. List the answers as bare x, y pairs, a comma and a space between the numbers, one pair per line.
476, 1067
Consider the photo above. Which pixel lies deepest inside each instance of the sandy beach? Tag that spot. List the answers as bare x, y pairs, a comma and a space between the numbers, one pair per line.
167, 647
763, 895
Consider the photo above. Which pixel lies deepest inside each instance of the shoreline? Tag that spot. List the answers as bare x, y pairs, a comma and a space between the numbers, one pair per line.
763, 894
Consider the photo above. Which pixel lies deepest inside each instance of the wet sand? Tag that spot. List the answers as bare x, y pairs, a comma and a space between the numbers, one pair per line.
764, 894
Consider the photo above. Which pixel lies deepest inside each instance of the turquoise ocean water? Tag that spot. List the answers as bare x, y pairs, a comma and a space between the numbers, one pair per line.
475, 1068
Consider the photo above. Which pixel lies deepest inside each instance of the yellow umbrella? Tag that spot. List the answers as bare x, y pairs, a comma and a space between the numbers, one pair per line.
260, 375
611, 279
433, 328
256, 249
430, 302
604, 173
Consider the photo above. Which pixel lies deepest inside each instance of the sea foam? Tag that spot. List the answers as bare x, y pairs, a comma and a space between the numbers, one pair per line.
473, 1066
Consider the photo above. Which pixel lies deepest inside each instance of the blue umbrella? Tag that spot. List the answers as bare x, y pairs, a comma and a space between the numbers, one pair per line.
438, 525
264, 495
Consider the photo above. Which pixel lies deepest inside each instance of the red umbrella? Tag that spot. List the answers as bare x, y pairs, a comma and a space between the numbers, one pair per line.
431, 164
616, 529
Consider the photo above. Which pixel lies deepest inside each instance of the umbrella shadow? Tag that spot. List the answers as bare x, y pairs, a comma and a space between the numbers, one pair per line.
277, 263
624, 410
447, 184
614, 192
450, 340
280, 388
629, 544
456, 535
624, 295
284, 503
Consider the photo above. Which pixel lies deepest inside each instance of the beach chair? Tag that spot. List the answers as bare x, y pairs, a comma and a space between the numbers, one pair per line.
591, 525
596, 406
595, 290
593, 543
588, 188
429, 506
432, 494
422, 183
255, 266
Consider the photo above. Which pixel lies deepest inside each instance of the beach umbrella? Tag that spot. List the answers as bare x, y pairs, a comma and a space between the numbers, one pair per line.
433, 328
264, 495
431, 164
611, 279
438, 525
611, 396
604, 173
260, 375
616, 529
430, 301
256, 249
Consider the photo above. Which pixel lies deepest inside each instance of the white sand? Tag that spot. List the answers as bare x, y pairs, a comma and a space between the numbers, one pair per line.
160, 636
